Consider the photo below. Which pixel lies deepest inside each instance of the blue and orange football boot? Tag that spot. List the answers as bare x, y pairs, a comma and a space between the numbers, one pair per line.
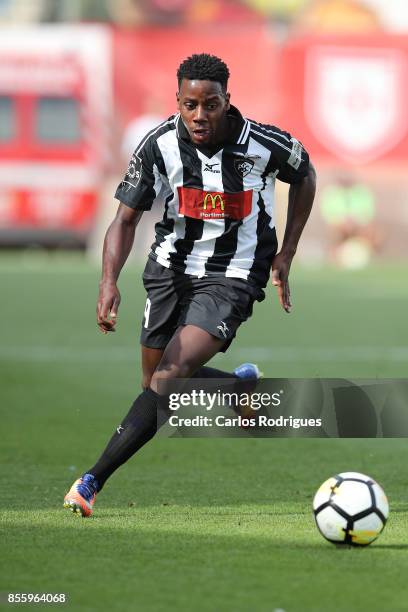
248, 371
250, 374
81, 496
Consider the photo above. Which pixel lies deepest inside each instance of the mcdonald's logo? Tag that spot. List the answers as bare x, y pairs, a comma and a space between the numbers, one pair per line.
207, 205
214, 199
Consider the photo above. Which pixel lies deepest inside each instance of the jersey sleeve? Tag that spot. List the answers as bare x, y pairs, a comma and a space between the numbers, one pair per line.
288, 156
142, 183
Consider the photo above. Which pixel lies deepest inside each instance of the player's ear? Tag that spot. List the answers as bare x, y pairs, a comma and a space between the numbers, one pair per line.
178, 99
227, 100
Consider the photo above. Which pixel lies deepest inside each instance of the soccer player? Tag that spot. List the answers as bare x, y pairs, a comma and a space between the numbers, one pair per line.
214, 249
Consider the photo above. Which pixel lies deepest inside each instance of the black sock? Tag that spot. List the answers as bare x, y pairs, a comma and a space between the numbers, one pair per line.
206, 372
137, 428
241, 385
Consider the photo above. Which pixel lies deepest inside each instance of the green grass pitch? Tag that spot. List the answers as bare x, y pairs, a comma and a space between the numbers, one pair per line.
203, 525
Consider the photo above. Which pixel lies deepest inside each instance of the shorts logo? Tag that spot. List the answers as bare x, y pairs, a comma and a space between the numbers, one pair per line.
147, 312
214, 200
199, 204
223, 328
243, 166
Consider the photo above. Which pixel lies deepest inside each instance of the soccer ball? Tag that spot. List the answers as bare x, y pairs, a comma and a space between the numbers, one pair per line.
350, 508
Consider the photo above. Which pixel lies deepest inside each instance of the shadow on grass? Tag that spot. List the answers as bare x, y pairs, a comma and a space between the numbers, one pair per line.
241, 528
392, 546
402, 508
193, 564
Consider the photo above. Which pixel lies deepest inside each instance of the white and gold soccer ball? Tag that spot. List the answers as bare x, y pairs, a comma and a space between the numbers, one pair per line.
351, 509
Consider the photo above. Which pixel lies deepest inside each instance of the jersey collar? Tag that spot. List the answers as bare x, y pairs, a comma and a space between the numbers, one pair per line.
238, 133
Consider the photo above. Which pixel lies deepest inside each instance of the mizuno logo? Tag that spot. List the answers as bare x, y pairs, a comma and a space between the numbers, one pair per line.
223, 329
119, 429
210, 168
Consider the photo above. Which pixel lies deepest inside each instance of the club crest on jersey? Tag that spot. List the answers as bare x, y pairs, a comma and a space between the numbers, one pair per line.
243, 166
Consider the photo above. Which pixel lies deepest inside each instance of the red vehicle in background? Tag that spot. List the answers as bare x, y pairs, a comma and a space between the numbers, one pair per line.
55, 118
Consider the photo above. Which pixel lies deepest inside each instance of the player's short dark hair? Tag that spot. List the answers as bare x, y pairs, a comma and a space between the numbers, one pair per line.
203, 67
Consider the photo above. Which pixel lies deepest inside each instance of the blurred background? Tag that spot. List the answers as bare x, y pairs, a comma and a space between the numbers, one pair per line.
81, 81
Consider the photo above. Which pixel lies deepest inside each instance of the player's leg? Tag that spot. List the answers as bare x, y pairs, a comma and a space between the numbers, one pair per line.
167, 295
152, 356
140, 424
137, 428
150, 360
189, 348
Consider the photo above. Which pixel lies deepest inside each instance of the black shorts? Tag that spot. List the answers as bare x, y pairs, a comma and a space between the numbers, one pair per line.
216, 304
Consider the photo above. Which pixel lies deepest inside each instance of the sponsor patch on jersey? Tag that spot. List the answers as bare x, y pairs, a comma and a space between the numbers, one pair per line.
295, 158
243, 166
134, 172
199, 204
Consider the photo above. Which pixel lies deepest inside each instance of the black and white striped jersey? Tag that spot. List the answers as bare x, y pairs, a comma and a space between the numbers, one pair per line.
218, 206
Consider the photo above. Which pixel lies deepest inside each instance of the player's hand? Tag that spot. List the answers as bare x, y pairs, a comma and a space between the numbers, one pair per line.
107, 306
280, 274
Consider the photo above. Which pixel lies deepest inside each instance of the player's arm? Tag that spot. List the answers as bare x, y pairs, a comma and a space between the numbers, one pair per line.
116, 248
301, 196
136, 193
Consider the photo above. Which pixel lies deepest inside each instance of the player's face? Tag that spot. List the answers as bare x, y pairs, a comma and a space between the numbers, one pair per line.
203, 106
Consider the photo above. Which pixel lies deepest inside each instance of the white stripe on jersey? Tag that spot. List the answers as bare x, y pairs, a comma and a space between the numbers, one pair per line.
213, 228
268, 131
169, 149
295, 158
272, 139
244, 134
153, 132
158, 181
240, 265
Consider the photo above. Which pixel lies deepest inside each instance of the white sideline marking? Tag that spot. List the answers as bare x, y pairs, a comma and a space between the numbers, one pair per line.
278, 354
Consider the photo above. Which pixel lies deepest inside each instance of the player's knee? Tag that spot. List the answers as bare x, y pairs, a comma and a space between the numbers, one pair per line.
146, 380
170, 371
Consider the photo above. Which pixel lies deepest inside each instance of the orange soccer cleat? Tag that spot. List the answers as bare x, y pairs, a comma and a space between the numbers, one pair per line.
81, 496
